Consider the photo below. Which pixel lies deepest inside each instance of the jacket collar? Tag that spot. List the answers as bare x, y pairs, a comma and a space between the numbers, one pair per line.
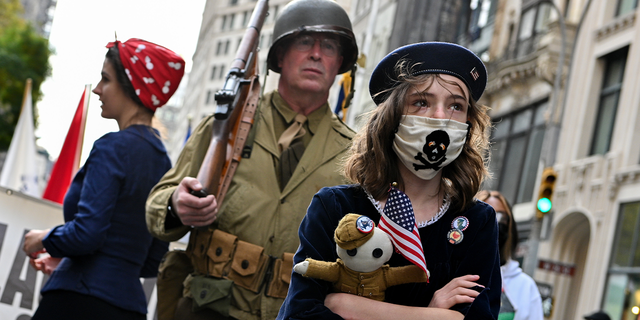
332, 137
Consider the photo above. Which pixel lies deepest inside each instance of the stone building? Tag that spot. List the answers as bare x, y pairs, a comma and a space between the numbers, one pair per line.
594, 231
581, 118
40, 14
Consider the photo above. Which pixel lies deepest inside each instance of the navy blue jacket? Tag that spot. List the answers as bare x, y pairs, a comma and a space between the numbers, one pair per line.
105, 242
476, 254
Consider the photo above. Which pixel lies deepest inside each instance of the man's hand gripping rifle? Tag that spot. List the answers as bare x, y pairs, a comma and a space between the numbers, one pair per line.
233, 118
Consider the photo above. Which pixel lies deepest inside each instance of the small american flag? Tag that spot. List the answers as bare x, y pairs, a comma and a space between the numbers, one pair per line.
398, 220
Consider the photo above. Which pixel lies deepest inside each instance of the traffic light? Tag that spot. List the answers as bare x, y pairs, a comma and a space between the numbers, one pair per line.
545, 193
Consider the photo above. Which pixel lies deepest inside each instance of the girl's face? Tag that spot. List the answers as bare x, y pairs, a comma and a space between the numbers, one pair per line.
110, 92
440, 97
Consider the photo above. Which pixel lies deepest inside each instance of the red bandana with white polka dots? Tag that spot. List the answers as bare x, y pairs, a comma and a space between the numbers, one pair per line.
154, 71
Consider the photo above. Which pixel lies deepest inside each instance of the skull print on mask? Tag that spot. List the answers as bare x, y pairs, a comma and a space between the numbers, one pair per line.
426, 145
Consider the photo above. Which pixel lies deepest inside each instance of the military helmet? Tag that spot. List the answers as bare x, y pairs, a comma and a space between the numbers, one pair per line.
314, 16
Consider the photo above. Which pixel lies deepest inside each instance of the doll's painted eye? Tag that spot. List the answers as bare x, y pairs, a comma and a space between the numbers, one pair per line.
352, 252
377, 253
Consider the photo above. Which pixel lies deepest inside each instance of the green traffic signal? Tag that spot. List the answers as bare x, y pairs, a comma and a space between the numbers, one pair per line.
544, 205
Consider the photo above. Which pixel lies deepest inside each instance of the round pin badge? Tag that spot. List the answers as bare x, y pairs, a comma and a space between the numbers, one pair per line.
365, 224
461, 223
455, 236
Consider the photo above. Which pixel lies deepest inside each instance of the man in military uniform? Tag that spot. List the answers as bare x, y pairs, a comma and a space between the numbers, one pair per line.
239, 267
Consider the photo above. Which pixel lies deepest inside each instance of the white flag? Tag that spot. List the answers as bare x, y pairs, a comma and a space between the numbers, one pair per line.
20, 170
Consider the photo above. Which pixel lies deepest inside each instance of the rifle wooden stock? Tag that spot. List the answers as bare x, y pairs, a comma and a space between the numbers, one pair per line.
238, 92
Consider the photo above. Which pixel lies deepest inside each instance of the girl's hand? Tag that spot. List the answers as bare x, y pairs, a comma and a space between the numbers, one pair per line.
458, 290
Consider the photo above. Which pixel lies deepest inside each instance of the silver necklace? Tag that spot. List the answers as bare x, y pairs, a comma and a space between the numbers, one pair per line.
441, 212
421, 224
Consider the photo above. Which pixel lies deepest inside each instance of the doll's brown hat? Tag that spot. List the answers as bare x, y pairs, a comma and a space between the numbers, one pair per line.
353, 231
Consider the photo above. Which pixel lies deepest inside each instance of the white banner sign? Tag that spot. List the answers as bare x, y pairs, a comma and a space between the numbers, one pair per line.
20, 284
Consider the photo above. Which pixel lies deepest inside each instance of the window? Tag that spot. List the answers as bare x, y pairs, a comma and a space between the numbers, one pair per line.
482, 11
224, 23
219, 48
533, 24
608, 105
213, 73
626, 6
363, 6
245, 18
273, 13
515, 152
233, 2
622, 291
221, 72
232, 21
209, 96
226, 47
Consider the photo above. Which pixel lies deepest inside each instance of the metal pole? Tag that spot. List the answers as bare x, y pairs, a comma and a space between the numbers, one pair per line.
550, 142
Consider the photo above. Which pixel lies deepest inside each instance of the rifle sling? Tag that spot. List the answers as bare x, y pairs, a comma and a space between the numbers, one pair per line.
244, 129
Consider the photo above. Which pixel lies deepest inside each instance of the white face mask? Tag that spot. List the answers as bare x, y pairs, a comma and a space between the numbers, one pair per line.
426, 145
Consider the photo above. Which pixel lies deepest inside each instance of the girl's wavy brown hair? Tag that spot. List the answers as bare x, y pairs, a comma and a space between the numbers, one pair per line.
374, 165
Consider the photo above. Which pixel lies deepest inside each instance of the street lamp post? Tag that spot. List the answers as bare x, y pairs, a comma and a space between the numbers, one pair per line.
550, 142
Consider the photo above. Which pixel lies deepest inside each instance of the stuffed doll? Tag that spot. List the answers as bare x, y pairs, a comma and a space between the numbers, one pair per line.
363, 249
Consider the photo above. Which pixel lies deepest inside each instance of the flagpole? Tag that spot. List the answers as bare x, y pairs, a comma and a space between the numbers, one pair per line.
87, 96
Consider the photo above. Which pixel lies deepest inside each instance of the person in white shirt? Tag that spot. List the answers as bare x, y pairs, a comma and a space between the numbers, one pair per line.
520, 296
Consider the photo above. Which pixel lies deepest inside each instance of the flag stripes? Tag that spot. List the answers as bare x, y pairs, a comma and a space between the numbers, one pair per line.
398, 220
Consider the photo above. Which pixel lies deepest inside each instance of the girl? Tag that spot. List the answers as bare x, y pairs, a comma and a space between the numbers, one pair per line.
425, 140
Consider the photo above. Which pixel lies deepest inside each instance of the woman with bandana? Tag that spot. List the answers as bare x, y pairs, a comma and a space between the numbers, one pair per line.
520, 295
104, 245
424, 141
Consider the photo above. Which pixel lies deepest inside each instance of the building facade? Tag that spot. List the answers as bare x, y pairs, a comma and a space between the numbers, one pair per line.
585, 124
40, 14
594, 228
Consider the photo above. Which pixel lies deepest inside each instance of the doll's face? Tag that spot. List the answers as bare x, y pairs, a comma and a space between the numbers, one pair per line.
371, 255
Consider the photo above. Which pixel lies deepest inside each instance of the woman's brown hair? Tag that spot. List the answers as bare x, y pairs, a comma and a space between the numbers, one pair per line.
508, 251
374, 165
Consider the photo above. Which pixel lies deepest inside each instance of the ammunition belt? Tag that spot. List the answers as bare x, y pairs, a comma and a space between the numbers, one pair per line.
220, 254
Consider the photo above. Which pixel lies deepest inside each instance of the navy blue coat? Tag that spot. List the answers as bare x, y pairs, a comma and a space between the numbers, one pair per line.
105, 242
476, 254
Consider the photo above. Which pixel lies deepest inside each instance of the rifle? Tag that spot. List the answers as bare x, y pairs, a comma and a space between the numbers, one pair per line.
233, 117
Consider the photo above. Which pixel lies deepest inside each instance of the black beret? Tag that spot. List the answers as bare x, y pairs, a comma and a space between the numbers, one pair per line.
434, 57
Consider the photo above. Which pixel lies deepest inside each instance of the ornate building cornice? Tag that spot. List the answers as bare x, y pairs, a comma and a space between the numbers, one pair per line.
615, 26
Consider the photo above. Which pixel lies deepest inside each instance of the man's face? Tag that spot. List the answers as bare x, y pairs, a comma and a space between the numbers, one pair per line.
310, 63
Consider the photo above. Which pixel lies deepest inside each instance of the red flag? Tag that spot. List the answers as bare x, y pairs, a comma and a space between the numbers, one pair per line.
399, 221
69, 160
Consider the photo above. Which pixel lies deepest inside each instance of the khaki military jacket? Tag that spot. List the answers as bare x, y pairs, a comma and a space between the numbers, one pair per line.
254, 209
